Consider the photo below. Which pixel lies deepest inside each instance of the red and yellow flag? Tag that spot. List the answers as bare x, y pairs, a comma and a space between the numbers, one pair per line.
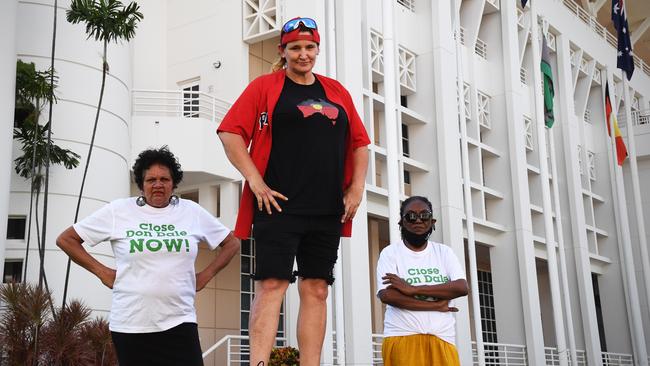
621, 150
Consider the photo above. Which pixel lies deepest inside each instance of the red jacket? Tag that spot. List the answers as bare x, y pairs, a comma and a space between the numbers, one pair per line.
251, 117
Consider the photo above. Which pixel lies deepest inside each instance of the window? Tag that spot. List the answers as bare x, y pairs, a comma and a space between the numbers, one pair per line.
599, 312
407, 182
528, 131
587, 116
16, 227
523, 76
405, 140
13, 271
488, 315
190, 97
486, 300
403, 101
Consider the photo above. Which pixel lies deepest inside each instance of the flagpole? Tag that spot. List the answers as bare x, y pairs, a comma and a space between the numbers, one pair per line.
638, 340
549, 237
643, 244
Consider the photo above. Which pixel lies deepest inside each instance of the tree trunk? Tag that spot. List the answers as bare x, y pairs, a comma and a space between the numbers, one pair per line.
90, 150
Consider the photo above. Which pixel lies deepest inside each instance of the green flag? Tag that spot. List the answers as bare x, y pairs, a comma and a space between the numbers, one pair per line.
549, 92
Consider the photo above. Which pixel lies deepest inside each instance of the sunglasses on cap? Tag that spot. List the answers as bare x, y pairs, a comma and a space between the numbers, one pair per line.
412, 217
294, 24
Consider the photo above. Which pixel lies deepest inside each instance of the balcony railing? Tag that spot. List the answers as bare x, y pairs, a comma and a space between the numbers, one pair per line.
601, 31
377, 340
178, 103
617, 359
237, 348
639, 118
497, 354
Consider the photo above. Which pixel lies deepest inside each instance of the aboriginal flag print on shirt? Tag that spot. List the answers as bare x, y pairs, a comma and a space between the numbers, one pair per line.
308, 151
311, 106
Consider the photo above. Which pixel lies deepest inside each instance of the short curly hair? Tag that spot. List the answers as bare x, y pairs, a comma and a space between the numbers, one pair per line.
161, 156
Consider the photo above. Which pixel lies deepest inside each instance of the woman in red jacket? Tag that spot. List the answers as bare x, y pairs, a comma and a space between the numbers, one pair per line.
305, 174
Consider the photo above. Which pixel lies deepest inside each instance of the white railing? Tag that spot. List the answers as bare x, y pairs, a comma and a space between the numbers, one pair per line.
237, 348
617, 359
553, 358
178, 103
601, 31
481, 48
638, 118
501, 354
377, 340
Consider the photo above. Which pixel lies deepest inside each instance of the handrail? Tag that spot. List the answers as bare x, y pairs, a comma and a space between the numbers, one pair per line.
243, 351
178, 103
601, 31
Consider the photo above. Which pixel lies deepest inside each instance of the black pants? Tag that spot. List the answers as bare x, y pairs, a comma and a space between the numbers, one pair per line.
178, 346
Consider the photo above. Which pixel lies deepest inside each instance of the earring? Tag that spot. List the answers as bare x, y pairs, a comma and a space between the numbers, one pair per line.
173, 200
140, 201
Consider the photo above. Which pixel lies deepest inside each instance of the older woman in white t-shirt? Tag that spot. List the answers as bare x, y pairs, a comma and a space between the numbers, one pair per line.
417, 279
155, 241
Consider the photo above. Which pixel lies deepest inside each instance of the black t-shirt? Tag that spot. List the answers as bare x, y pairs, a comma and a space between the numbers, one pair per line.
308, 150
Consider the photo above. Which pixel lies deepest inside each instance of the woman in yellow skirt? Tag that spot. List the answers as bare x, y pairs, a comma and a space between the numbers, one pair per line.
417, 279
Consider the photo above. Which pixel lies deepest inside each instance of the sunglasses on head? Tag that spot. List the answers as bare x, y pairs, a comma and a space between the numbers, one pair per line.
412, 217
294, 24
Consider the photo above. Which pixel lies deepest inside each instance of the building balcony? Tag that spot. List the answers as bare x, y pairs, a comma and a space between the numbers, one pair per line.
187, 123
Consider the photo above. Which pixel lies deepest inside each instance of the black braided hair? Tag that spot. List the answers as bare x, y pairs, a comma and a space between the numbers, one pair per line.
409, 200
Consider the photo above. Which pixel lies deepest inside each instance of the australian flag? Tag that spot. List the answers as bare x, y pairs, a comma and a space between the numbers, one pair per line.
625, 61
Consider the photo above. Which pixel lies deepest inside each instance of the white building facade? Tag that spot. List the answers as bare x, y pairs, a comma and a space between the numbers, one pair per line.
450, 94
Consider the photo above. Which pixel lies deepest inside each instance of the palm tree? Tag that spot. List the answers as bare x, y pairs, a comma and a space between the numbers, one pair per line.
106, 21
33, 90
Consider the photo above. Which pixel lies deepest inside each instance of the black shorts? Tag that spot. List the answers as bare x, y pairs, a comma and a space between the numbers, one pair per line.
312, 240
172, 347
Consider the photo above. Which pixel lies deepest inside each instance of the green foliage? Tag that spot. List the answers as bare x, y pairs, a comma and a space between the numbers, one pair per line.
284, 356
33, 90
33, 136
66, 337
106, 20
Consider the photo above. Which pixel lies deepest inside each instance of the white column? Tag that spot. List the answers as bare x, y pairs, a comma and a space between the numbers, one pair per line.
8, 74
229, 193
568, 123
636, 326
448, 156
469, 212
335, 300
549, 230
390, 118
521, 197
636, 190
355, 277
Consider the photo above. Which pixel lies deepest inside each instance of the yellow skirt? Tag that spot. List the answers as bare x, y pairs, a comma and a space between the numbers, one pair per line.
418, 350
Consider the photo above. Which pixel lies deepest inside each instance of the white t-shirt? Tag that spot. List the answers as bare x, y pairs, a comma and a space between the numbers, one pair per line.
155, 250
434, 265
